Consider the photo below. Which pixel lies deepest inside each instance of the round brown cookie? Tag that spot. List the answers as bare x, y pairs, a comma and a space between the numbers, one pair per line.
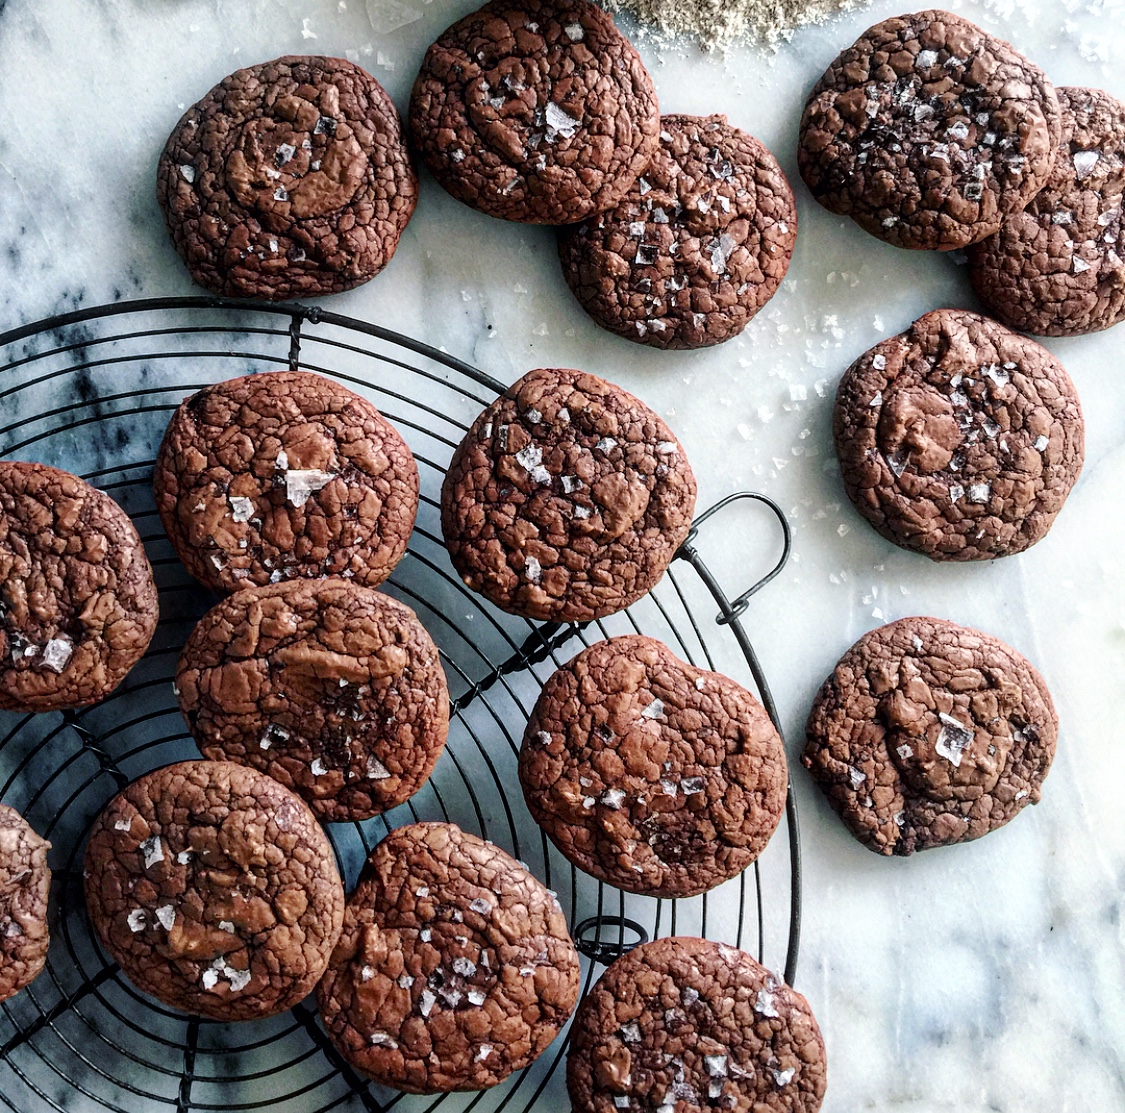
454, 968
78, 605
928, 131
684, 1023
928, 733
288, 179
958, 438
535, 111
284, 474
696, 247
650, 774
567, 498
215, 889
1054, 269
333, 689
25, 882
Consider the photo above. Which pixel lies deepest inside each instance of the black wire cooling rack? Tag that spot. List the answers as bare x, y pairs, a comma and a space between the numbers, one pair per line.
91, 392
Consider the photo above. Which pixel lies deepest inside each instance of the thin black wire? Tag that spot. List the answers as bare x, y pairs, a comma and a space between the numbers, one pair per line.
539, 646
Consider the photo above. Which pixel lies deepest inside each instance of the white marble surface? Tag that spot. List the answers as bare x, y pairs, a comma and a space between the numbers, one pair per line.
984, 977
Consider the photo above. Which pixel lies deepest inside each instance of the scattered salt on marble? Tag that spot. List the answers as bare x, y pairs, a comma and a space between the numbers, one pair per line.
318, 767
242, 508
1084, 163
152, 850
300, 483
480, 906
953, 739
798, 392
166, 915
136, 920
56, 653
843, 529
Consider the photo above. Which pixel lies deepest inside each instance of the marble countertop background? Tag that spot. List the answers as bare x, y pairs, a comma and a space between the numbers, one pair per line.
984, 977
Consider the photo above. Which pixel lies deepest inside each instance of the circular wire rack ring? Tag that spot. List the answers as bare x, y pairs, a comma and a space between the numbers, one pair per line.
92, 392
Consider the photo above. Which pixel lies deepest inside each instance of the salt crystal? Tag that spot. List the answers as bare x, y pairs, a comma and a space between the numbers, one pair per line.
606, 444
856, 776
953, 739
692, 786
187, 172
1062, 218
210, 978
532, 569
764, 1005
1079, 265
700, 682
300, 483
227, 926
136, 920
383, 1039
480, 906
183, 857
876, 402
123, 825
570, 483
613, 798
637, 229
318, 767
654, 710
241, 508
980, 492
166, 914
897, 462
386, 16
667, 448
631, 1033
1084, 163
879, 362
560, 122
426, 1002
483, 1053
56, 653
798, 392
463, 966
669, 788
1041, 443
716, 1065
425, 935
152, 850
784, 1077
956, 491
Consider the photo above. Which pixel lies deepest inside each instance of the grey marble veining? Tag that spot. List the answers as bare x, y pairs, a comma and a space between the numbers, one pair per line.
984, 977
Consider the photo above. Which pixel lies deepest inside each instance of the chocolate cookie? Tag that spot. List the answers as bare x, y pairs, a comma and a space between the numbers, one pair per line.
282, 475
650, 774
535, 111
957, 438
454, 968
696, 247
333, 689
1054, 269
288, 179
567, 498
928, 131
684, 1023
78, 604
928, 733
215, 889
25, 882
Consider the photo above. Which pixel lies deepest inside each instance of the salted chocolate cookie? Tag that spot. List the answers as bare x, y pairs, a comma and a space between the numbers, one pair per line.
958, 438
650, 774
928, 733
683, 1023
454, 968
1055, 269
288, 179
284, 475
928, 131
333, 689
535, 111
215, 889
78, 604
25, 882
695, 248
567, 498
